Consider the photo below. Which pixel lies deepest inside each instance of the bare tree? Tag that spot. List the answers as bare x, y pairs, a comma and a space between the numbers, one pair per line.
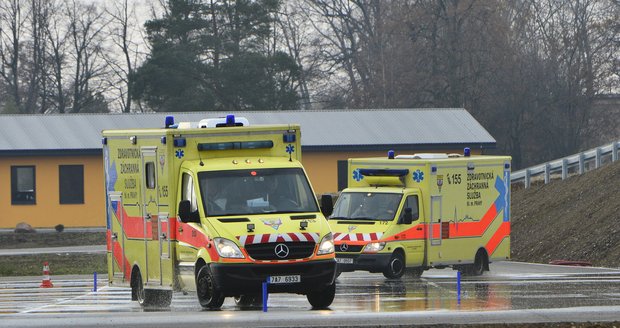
13, 19
297, 39
57, 39
579, 43
126, 37
86, 25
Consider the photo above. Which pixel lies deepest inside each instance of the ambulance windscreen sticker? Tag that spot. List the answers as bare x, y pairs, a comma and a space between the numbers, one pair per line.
275, 224
418, 176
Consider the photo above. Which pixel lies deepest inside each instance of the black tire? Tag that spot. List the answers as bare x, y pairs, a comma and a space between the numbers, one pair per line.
396, 267
477, 268
209, 295
137, 288
479, 263
323, 298
248, 301
149, 298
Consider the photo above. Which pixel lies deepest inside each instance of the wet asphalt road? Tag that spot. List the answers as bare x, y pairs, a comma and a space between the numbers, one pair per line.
511, 292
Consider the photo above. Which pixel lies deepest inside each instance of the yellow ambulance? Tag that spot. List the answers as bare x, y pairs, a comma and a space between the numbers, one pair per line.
218, 206
415, 212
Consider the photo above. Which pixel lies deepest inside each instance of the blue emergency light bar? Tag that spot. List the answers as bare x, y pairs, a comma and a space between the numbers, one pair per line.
384, 172
236, 145
169, 121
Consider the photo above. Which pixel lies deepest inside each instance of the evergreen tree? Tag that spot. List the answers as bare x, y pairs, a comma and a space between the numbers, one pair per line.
216, 55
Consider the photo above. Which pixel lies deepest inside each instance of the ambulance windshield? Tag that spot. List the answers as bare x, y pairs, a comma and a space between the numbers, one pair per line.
366, 206
242, 192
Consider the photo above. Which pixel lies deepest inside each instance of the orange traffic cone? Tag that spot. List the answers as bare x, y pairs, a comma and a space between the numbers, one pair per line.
47, 282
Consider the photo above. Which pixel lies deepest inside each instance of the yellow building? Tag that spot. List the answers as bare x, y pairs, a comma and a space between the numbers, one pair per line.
51, 168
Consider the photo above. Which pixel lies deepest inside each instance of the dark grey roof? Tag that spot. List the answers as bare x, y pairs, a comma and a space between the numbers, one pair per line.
323, 129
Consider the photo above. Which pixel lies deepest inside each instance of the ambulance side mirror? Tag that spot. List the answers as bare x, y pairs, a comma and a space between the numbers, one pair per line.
407, 217
186, 214
327, 205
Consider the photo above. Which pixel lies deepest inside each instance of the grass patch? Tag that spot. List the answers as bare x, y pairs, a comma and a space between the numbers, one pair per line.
12, 240
60, 264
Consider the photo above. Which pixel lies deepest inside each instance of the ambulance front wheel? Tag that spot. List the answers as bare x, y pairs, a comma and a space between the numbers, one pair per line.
209, 295
396, 266
323, 298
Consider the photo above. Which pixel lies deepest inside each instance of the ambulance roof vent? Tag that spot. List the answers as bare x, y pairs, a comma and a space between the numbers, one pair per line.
423, 156
228, 121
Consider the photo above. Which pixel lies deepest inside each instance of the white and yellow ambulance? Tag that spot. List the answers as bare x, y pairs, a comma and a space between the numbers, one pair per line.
415, 212
218, 206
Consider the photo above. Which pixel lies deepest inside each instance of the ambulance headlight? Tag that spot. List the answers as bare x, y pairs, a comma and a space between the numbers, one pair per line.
327, 245
227, 248
374, 247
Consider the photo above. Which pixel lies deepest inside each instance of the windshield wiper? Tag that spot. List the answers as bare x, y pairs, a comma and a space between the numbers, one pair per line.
363, 218
339, 218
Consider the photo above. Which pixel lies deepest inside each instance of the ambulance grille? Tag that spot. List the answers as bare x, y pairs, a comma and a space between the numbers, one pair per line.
267, 251
349, 248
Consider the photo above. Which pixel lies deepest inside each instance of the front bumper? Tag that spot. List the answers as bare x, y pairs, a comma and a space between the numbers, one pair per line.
376, 262
240, 279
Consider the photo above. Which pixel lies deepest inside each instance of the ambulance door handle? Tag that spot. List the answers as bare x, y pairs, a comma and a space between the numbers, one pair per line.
115, 236
163, 236
419, 228
180, 229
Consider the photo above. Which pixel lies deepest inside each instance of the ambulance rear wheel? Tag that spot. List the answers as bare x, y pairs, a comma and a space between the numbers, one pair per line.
137, 288
323, 298
149, 298
396, 267
479, 263
477, 268
209, 295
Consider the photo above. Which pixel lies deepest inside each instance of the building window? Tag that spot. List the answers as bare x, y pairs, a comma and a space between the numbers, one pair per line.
23, 190
71, 182
343, 174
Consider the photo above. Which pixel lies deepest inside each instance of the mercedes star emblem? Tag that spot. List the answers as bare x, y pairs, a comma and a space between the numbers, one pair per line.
281, 251
344, 247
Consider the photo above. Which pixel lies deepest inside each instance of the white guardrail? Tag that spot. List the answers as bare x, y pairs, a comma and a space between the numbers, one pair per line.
574, 162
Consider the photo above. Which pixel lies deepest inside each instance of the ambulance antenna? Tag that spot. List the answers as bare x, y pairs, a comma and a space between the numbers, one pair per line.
200, 158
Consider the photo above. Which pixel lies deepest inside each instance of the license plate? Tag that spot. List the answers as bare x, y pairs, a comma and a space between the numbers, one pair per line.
344, 260
284, 279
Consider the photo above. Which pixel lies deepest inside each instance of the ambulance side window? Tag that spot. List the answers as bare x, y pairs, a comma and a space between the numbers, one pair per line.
149, 171
188, 191
412, 202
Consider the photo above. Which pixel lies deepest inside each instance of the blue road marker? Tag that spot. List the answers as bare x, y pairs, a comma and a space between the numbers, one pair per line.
265, 294
458, 287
